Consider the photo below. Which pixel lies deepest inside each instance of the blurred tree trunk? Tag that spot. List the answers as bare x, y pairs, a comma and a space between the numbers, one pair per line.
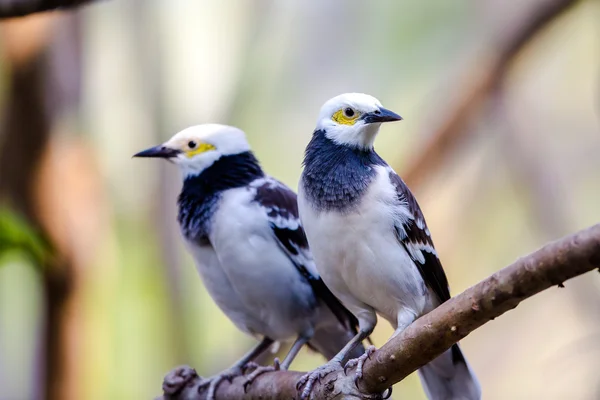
480, 82
25, 133
49, 178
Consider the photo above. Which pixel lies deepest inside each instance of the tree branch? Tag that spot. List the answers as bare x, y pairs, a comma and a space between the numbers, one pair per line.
478, 83
430, 335
20, 8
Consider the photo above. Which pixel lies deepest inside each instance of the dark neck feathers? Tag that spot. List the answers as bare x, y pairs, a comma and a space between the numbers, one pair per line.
200, 194
336, 176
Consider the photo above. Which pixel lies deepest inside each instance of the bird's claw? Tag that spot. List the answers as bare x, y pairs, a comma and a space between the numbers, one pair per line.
387, 394
358, 363
308, 380
178, 378
213, 382
259, 370
250, 366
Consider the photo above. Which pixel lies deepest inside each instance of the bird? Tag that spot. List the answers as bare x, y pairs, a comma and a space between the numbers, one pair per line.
243, 230
370, 241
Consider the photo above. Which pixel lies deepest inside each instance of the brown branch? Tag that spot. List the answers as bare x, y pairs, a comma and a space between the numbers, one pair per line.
20, 8
479, 82
431, 334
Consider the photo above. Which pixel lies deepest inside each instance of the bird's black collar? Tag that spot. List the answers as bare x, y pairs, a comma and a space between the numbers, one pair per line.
336, 176
199, 197
227, 172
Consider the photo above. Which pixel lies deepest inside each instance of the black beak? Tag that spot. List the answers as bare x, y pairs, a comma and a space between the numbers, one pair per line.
381, 115
159, 151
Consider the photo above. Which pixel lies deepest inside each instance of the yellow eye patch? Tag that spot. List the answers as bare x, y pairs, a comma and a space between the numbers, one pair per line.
342, 117
200, 148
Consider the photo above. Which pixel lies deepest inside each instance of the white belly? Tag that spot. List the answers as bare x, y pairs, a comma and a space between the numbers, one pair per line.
359, 257
250, 278
219, 287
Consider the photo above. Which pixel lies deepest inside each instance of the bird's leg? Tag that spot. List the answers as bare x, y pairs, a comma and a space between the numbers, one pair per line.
287, 361
405, 317
309, 379
403, 320
294, 350
237, 369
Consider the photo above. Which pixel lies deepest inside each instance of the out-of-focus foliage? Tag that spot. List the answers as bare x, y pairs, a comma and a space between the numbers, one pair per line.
16, 235
152, 67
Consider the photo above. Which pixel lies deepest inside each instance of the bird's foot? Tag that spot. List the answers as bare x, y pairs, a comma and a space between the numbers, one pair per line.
308, 380
250, 366
259, 370
178, 378
212, 383
387, 394
358, 363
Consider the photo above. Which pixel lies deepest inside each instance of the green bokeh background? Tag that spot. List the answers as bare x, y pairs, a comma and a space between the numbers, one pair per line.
151, 68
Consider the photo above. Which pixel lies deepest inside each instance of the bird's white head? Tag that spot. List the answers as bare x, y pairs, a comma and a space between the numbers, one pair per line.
353, 119
196, 148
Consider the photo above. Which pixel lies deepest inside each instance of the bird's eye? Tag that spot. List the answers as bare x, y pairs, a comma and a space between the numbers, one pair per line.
192, 144
349, 112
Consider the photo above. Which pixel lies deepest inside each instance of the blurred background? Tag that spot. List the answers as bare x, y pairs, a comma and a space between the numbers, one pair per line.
500, 143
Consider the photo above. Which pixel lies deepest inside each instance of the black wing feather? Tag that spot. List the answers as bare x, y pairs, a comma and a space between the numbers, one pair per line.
281, 206
415, 237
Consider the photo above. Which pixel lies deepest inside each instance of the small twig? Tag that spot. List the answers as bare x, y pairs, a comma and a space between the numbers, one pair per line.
20, 8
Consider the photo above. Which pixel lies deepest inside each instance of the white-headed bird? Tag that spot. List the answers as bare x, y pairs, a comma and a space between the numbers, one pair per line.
370, 241
242, 228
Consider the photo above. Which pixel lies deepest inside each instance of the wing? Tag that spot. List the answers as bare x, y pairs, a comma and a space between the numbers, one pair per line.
413, 234
281, 208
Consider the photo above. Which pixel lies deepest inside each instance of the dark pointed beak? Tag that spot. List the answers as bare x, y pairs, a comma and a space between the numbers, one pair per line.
159, 151
381, 115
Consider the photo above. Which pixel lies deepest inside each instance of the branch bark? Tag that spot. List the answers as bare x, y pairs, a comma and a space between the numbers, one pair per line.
427, 337
480, 81
20, 8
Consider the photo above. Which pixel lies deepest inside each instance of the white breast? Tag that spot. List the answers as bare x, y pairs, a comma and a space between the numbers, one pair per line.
358, 255
254, 272
218, 285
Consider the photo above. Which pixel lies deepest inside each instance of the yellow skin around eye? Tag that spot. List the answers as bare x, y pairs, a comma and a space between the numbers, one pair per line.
341, 118
200, 148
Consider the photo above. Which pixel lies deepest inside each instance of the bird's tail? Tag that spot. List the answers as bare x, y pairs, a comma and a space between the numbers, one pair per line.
449, 377
330, 339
